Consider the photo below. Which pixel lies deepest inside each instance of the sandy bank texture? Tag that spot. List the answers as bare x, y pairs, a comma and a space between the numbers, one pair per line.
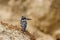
45, 23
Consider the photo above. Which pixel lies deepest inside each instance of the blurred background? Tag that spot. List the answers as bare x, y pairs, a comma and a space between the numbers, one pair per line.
45, 15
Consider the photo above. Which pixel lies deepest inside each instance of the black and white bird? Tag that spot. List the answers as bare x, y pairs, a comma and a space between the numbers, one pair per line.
23, 23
